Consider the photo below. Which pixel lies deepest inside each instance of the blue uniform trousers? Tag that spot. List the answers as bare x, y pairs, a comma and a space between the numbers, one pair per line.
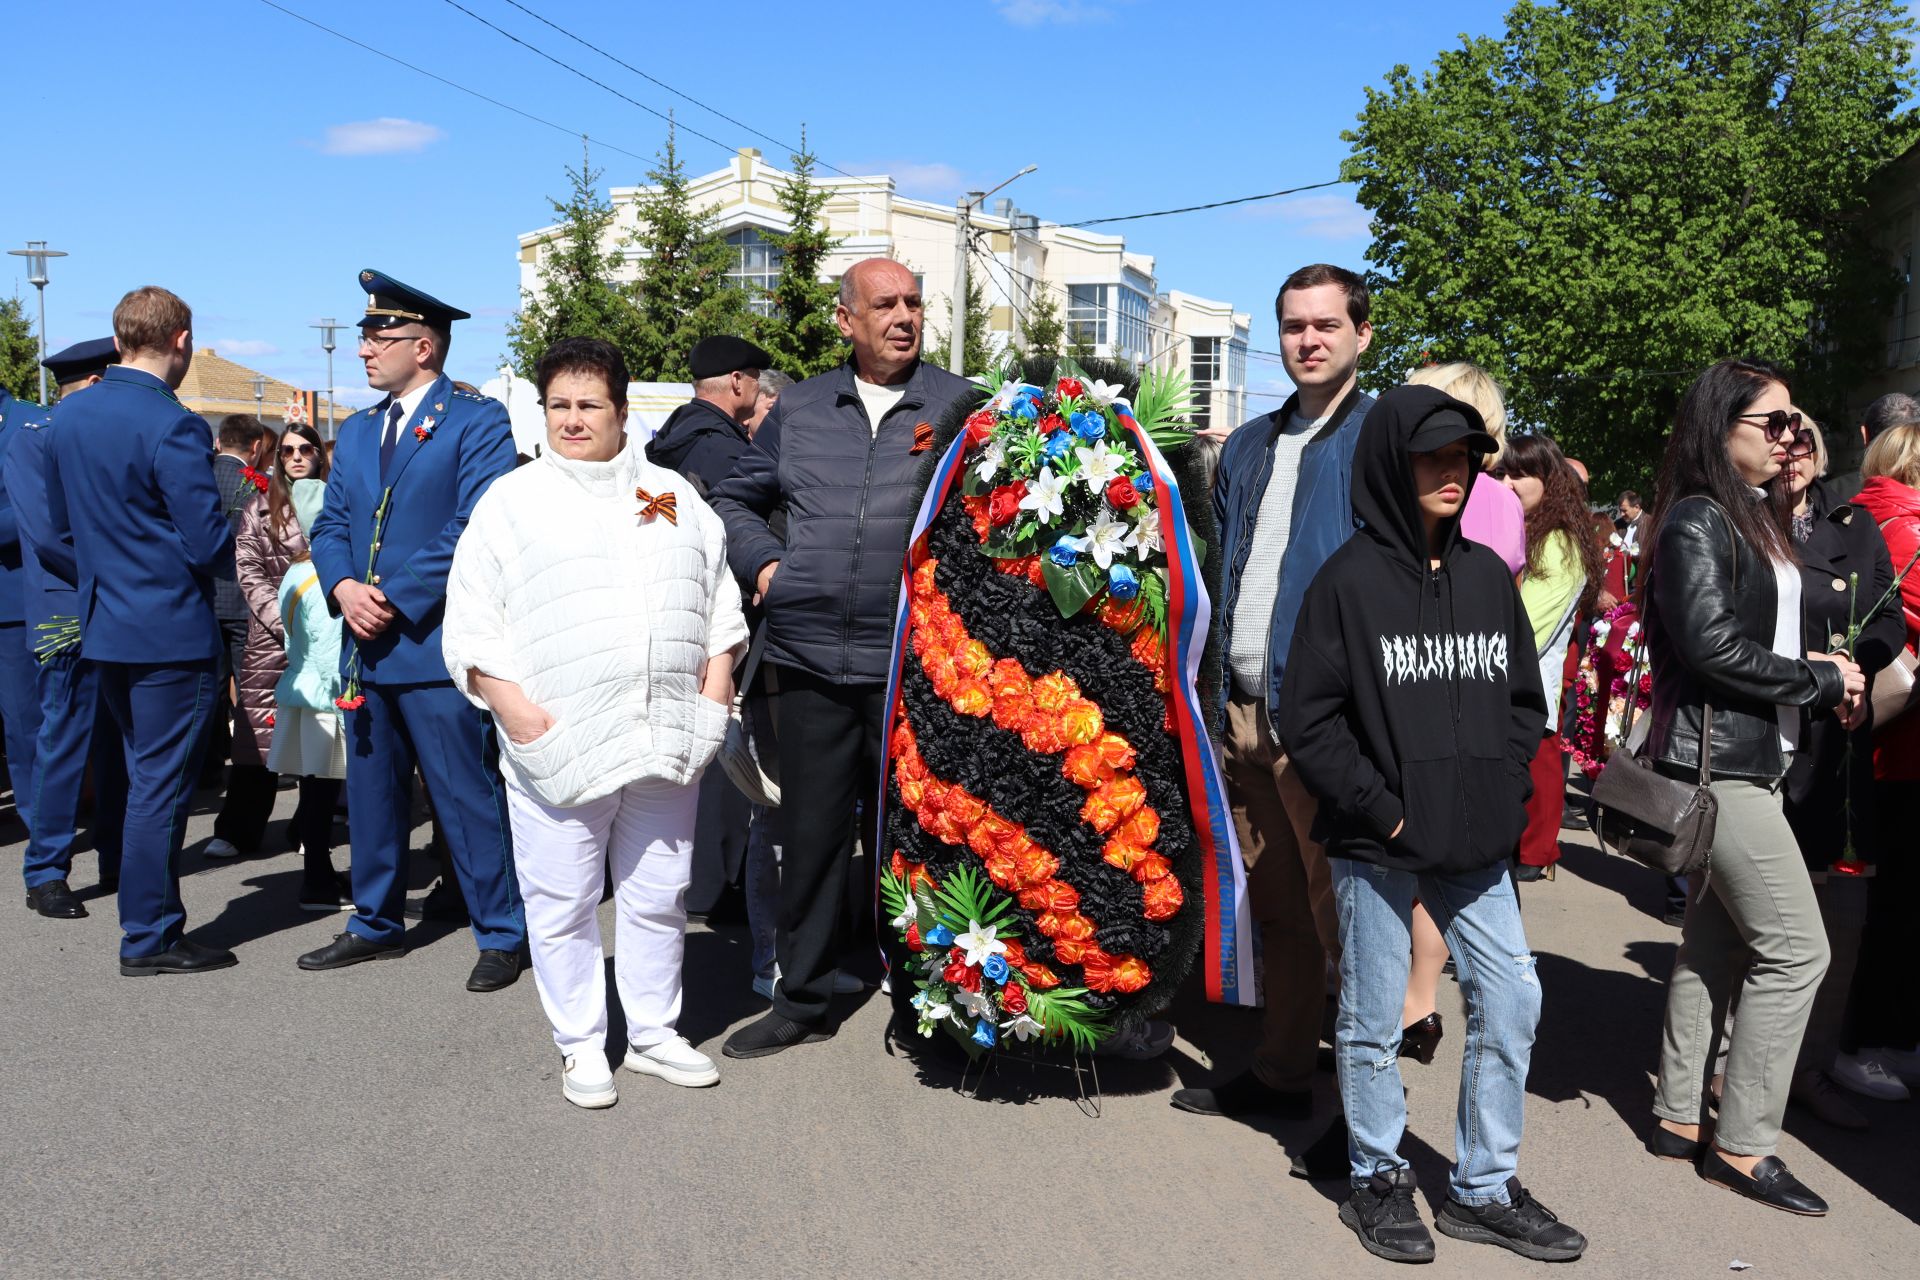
453, 743
74, 727
20, 706
161, 713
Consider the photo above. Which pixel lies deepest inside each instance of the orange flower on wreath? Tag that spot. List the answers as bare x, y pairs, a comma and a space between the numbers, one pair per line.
1163, 898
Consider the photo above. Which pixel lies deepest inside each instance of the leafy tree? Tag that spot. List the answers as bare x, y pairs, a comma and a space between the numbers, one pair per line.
800, 334
682, 292
19, 351
580, 294
1616, 193
979, 352
1044, 329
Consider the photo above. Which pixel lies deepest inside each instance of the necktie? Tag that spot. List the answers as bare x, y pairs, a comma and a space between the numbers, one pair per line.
389, 438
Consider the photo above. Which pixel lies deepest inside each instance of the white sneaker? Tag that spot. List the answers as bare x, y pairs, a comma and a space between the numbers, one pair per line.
674, 1061
1865, 1075
587, 1081
1145, 1042
218, 848
1904, 1063
844, 984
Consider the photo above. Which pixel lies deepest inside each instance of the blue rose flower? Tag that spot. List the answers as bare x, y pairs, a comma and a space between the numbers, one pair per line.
1057, 445
983, 1034
1121, 583
1063, 553
1024, 407
1090, 424
995, 967
939, 936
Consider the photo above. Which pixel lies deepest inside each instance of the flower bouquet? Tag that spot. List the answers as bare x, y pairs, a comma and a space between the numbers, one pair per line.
1607, 688
1056, 833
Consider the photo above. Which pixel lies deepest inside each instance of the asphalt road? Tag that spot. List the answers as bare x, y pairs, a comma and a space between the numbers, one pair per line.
381, 1121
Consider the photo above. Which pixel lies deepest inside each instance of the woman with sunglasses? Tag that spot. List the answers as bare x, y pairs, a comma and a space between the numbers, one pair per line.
1732, 677
268, 541
1831, 812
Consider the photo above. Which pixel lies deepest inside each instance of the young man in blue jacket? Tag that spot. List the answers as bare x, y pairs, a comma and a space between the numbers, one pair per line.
135, 471
1282, 494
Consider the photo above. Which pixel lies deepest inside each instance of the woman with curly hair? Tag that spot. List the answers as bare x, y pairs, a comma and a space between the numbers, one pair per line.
1560, 578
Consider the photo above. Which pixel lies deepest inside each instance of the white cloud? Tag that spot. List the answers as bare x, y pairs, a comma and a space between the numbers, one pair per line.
1036, 13
243, 348
1326, 217
387, 136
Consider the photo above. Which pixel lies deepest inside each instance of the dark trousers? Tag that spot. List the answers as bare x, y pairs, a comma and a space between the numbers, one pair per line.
830, 746
233, 640
75, 727
1884, 1014
161, 713
452, 743
20, 707
248, 804
312, 826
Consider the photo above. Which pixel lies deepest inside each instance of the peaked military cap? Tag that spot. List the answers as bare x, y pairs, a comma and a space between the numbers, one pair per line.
82, 360
391, 304
723, 354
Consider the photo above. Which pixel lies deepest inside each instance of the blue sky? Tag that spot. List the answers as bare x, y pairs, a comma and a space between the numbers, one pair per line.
254, 164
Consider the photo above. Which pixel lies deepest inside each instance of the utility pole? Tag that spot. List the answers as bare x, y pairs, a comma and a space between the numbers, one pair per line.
327, 328
962, 233
36, 253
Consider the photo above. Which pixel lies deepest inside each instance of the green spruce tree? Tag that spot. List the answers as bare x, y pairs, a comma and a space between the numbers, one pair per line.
580, 294
19, 351
979, 350
800, 334
1043, 329
682, 293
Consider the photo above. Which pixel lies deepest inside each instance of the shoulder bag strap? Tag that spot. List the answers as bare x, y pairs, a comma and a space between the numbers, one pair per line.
1645, 656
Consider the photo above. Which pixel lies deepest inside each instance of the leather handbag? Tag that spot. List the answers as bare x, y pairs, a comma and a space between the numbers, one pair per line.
757, 775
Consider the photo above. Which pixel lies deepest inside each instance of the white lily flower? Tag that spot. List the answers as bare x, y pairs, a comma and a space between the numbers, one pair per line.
1023, 1028
979, 942
907, 916
1144, 539
1003, 398
1099, 465
993, 455
935, 1011
1046, 496
1103, 392
978, 1004
1106, 539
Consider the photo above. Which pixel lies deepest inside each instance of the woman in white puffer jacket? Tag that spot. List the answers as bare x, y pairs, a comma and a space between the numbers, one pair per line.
591, 611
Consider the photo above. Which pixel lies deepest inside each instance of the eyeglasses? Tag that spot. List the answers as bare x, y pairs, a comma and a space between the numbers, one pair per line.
298, 451
383, 341
1775, 424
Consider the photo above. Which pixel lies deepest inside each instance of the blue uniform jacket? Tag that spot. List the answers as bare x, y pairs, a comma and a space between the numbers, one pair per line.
434, 483
136, 469
1322, 520
14, 415
46, 541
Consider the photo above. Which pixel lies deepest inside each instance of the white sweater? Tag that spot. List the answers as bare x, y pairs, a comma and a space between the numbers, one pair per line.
604, 620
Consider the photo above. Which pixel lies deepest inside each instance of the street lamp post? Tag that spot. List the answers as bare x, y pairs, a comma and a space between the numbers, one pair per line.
962, 229
327, 344
259, 394
36, 253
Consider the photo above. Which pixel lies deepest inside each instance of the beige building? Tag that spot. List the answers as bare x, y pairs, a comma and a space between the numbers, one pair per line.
1108, 296
215, 387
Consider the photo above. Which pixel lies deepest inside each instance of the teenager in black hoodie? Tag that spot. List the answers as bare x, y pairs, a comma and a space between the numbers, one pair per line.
1412, 705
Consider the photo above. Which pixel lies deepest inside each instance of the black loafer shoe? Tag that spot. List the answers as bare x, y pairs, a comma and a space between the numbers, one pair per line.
350, 948
494, 970
1523, 1225
181, 957
771, 1034
1770, 1184
1245, 1095
1669, 1145
55, 901
1422, 1039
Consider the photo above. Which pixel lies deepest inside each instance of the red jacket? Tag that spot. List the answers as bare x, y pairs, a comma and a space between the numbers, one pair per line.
1896, 506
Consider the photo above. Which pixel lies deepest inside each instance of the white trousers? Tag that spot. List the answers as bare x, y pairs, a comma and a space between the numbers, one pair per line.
560, 856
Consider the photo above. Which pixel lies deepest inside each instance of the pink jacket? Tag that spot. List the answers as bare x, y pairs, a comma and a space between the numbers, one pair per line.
1494, 518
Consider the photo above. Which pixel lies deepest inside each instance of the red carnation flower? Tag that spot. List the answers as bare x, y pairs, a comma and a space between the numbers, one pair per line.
1013, 998
1051, 423
1069, 387
913, 936
1004, 504
1121, 494
254, 478
979, 427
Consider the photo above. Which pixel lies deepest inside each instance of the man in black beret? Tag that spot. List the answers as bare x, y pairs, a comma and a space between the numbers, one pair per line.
707, 435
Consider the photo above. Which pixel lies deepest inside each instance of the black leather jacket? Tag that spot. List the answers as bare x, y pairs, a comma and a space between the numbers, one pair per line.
1711, 634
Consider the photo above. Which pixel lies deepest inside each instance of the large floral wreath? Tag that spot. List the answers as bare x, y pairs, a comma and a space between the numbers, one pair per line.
1056, 841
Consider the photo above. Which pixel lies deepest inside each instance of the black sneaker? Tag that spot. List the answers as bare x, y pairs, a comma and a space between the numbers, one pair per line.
1245, 1095
1523, 1225
1383, 1215
771, 1034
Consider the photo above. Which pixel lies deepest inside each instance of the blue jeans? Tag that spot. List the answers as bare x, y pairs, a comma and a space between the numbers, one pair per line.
1479, 915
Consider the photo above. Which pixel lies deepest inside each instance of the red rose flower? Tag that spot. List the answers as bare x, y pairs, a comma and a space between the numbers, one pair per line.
913, 937
254, 478
1013, 998
1051, 423
979, 427
1070, 387
1004, 504
1121, 494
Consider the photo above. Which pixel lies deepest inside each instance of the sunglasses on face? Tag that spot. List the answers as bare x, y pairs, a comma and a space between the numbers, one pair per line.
1801, 445
298, 451
1775, 424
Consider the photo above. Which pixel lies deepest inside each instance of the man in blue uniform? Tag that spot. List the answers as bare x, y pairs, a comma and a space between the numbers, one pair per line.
17, 704
135, 468
74, 723
406, 474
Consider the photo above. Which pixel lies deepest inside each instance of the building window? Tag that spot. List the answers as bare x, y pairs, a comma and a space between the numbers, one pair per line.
1135, 336
1087, 314
1205, 371
756, 267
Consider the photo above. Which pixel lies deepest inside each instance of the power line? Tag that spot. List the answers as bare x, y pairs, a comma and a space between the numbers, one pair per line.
1196, 208
472, 93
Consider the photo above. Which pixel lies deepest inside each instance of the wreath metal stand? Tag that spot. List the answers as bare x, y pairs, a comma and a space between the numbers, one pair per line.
973, 1077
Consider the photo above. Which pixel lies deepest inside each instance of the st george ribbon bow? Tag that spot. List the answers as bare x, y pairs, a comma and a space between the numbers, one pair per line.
660, 506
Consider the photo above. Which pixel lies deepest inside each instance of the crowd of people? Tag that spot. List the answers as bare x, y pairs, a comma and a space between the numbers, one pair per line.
1411, 592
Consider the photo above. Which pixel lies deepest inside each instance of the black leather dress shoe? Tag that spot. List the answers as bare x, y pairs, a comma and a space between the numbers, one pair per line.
1422, 1039
494, 970
1770, 1184
55, 901
350, 948
182, 957
771, 1034
1669, 1145
1244, 1095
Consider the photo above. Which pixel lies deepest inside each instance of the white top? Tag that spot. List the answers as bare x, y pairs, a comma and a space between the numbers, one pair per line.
1786, 642
603, 618
879, 400
1260, 580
